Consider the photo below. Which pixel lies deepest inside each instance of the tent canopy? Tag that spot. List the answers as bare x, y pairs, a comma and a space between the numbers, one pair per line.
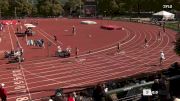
88, 22
29, 25
166, 15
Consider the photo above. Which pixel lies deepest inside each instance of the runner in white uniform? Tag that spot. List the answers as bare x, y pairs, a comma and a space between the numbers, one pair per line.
162, 57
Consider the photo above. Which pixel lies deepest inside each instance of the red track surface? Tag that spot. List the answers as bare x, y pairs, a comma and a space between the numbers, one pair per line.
40, 75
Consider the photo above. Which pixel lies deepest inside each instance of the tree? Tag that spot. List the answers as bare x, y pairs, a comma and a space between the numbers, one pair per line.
56, 8
34, 11
175, 4
44, 7
20, 8
50, 7
4, 7
104, 6
73, 6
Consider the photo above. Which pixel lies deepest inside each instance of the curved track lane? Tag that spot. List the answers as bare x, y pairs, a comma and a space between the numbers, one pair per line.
39, 78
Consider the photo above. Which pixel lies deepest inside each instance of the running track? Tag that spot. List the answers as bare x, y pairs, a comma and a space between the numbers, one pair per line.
40, 75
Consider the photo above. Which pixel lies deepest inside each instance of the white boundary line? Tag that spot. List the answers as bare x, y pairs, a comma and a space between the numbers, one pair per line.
25, 82
12, 46
164, 47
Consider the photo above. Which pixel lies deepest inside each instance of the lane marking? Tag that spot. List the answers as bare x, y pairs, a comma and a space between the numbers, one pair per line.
19, 84
10, 38
19, 44
25, 81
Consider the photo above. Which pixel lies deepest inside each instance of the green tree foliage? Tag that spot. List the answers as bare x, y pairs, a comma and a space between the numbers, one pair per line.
104, 7
56, 8
138, 6
176, 4
4, 7
73, 6
22, 8
34, 11
50, 7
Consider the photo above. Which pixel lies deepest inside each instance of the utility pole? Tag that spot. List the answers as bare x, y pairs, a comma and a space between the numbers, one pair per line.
80, 8
0, 13
15, 14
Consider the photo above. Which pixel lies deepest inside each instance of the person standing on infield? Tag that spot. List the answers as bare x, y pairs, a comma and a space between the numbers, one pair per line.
74, 30
159, 35
55, 38
76, 52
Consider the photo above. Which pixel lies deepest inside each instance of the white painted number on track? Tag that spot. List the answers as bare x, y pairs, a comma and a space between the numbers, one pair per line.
22, 99
20, 85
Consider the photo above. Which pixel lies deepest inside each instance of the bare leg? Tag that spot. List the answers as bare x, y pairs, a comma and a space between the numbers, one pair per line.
160, 62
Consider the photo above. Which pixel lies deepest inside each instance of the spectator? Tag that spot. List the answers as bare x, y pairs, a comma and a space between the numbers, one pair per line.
164, 89
114, 97
3, 93
98, 93
50, 99
71, 98
155, 88
105, 88
59, 95
77, 96
176, 99
58, 98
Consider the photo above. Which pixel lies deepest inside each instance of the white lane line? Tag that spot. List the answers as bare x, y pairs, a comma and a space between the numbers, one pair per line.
88, 82
25, 82
85, 52
99, 49
47, 38
59, 42
12, 46
104, 67
138, 43
19, 44
138, 66
140, 51
106, 75
62, 69
31, 71
50, 64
